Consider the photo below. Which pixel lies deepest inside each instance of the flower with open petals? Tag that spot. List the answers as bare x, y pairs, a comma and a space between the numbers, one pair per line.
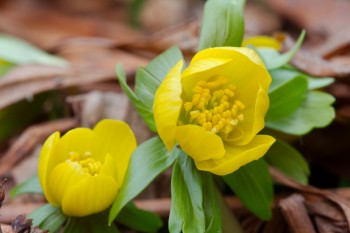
82, 171
215, 108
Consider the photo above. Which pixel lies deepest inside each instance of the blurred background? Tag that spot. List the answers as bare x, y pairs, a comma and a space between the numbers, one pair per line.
88, 38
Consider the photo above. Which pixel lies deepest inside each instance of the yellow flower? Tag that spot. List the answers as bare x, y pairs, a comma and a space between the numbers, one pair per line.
82, 171
215, 108
263, 41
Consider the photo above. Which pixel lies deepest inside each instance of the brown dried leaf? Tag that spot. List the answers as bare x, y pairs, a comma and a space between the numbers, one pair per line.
296, 215
317, 66
89, 65
95, 106
325, 225
21, 224
325, 209
184, 36
29, 139
341, 202
312, 63
11, 210
277, 224
326, 19
26, 21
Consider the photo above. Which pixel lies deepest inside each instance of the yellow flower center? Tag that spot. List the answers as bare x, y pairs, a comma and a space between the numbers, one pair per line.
214, 106
89, 164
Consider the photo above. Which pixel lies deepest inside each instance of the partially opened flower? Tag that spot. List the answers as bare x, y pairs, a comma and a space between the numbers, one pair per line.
215, 108
82, 171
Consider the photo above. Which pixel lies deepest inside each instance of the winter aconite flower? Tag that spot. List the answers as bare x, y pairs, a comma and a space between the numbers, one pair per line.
82, 171
215, 108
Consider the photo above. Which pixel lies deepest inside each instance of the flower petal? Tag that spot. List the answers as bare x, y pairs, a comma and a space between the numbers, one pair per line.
79, 140
199, 143
262, 41
45, 155
243, 66
117, 139
90, 196
63, 178
109, 168
167, 105
237, 156
253, 117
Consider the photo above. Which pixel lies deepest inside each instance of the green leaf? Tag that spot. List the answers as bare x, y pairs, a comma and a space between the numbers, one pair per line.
96, 223
17, 51
286, 95
145, 112
252, 183
148, 80
48, 217
32, 185
211, 204
5, 67
315, 112
289, 72
186, 213
149, 160
150, 77
223, 24
195, 204
273, 61
138, 219
319, 82
75, 225
289, 161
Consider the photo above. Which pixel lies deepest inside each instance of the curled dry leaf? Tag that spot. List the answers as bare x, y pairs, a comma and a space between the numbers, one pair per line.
33, 136
26, 21
338, 200
324, 20
185, 36
314, 64
21, 224
296, 214
96, 105
88, 65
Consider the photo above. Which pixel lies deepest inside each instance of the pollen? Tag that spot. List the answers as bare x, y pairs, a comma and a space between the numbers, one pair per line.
86, 161
214, 106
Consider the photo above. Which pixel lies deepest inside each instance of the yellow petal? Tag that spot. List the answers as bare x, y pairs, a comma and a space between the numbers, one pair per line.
63, 178
253, 117
45, 155
110, 168
237, 156
92, 195
167, 105
243, 66
79, 140
199, 143
117, 139
262, 41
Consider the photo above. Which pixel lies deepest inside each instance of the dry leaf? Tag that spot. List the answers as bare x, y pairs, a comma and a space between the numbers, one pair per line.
33, 136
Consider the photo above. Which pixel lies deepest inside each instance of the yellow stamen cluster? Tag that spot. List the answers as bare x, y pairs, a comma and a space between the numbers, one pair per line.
89, 164
214, 106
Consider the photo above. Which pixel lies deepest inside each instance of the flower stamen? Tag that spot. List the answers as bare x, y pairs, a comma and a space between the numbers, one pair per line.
214, 106
85, 160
